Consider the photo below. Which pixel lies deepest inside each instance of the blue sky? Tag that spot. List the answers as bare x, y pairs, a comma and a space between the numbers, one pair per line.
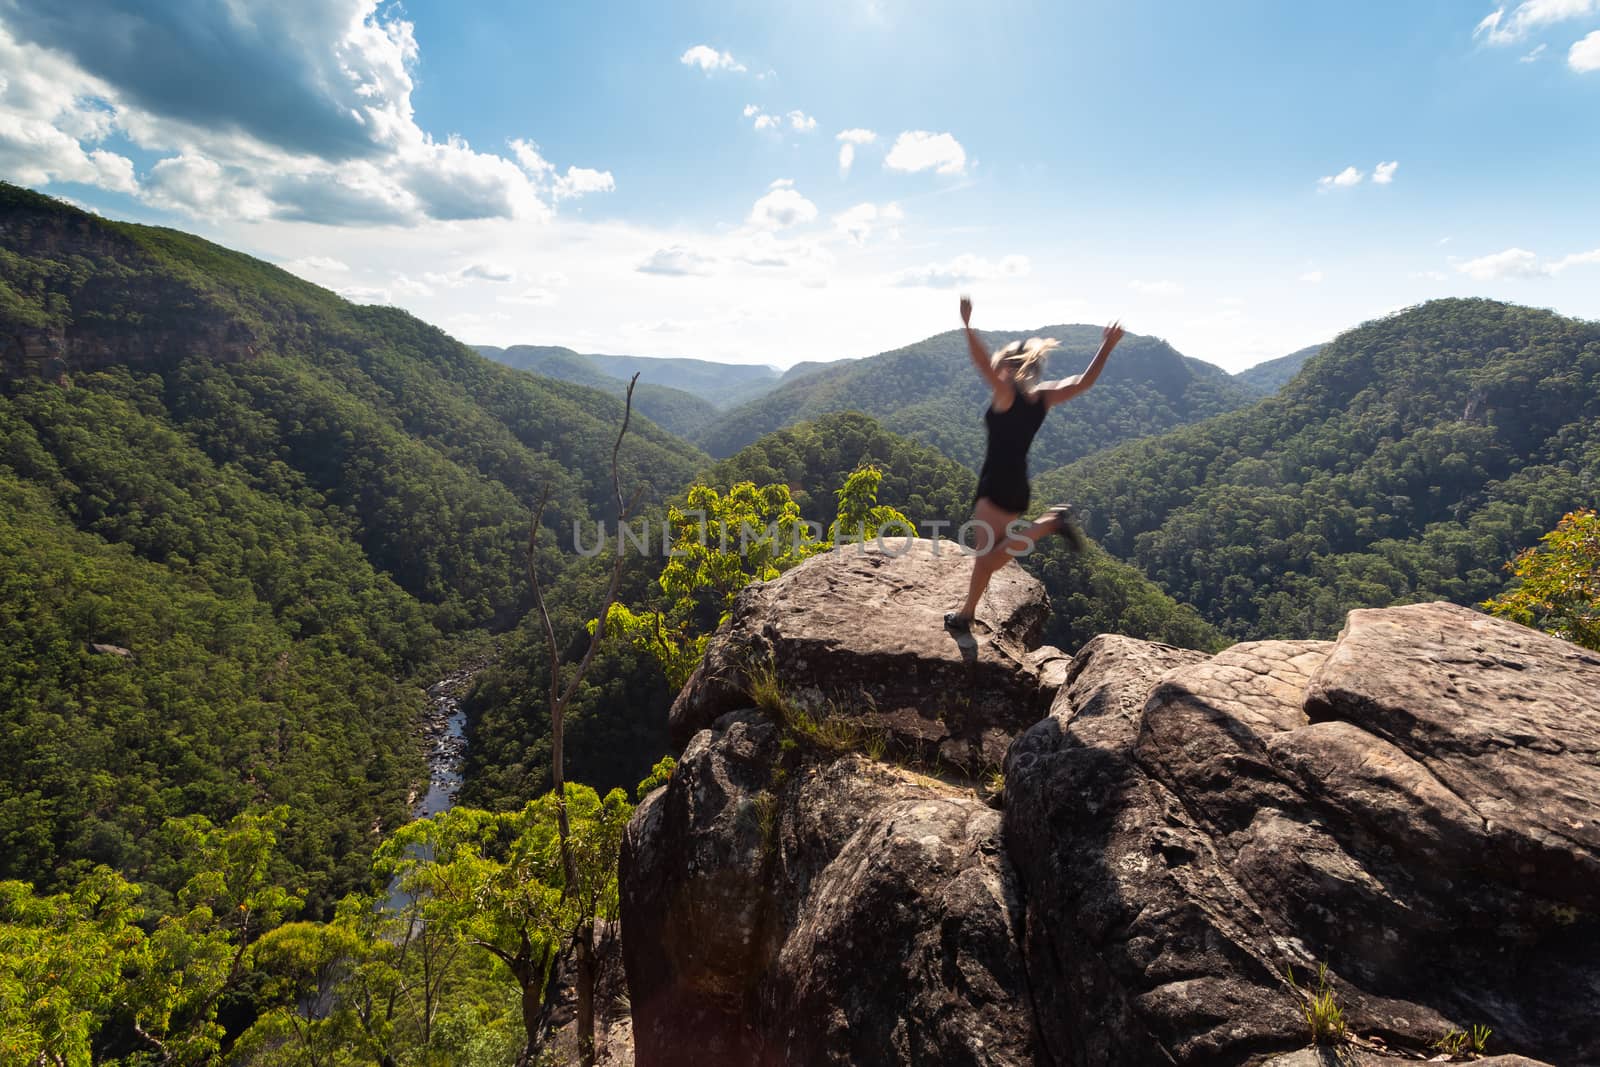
1242, 179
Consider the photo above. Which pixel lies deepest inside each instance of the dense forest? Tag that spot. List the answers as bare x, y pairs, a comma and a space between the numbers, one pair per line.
1408, 461
929, 391
287, 510
1274, 374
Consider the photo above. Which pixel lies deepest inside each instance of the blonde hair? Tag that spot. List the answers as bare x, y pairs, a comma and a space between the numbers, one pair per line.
1024, 360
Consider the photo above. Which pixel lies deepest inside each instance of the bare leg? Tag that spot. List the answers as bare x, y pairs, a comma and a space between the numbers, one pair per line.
988, 514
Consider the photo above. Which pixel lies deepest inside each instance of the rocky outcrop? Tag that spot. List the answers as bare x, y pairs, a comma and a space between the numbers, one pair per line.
1411, 807
860, 631
1187, 841
830, 911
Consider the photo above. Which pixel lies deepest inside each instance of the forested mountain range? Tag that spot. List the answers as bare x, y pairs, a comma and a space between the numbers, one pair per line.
279, 515
672, 409
717, 384
281, 506
929, 391
1274, 374
1407, 461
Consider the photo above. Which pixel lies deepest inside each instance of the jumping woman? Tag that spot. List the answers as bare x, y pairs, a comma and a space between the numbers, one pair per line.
1017, 408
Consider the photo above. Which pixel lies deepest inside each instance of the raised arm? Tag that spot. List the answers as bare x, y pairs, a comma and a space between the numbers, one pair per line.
1067, 388
981, 357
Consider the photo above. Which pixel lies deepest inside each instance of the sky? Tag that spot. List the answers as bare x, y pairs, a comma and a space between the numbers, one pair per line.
769, 182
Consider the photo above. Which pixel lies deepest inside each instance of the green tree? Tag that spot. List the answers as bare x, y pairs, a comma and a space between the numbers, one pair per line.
1558, 585
721, 542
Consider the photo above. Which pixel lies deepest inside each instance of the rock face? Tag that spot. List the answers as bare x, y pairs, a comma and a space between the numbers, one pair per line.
862, 627
840, 912
1414, 807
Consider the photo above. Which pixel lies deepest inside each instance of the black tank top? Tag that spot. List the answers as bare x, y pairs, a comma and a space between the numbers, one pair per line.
1010, 433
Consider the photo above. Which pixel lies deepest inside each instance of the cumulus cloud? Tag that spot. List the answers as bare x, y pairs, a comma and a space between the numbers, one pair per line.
50, 120
859, 223
918, 150
257, 109
579, 181
1521, 263
1383, 173
709, 59
1498, 29
1584, 55
1155, 288
782, 208
677, 260
799, 120
1345, 178
847, 149
472, 272
964, 270
317, 264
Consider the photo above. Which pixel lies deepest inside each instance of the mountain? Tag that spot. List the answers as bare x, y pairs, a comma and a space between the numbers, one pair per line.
243, 522
1408, 461
930, 391
1272, 375
671, 409
716, 384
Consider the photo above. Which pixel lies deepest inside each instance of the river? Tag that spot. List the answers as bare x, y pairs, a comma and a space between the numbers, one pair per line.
444, 727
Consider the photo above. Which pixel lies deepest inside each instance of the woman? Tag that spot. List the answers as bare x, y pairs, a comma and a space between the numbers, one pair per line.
1016, 411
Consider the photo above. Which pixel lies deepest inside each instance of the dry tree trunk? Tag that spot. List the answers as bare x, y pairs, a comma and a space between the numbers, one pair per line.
583, 936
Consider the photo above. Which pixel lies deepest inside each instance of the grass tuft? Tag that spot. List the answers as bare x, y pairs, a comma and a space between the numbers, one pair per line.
1320, 1009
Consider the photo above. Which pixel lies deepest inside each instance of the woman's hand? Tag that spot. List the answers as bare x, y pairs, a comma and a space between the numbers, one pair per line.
1111, 336
966, 311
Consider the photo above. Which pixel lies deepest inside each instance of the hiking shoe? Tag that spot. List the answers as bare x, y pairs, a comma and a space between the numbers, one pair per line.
1068, 527
954, 620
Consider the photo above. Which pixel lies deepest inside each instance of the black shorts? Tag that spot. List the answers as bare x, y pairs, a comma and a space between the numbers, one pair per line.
1007, 492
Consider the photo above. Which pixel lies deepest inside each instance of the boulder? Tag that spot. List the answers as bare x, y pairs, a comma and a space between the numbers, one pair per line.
1413, 806
818, 909
859, 631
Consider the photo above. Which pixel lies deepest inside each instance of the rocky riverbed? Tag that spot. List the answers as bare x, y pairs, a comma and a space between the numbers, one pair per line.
444, 734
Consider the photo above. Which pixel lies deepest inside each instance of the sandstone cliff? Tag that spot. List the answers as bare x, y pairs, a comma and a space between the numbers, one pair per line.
1184, 840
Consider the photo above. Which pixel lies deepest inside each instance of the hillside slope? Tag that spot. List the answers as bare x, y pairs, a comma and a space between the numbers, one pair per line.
719, 384
929, 391
1274, 374
672, 409
283, 505
1406, 462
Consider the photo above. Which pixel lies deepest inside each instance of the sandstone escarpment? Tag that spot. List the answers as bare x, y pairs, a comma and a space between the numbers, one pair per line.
1186, 842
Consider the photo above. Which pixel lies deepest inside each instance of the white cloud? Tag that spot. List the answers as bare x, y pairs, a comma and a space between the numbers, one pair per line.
1584, 55
850, 139
799, 120
316, 264
307, 114
751, 110
1533, 56
781, 183
677, 260
1311, 277
1345, 178
1521, 263
455, 279
782, 208
1530, 15
709, 59
535, 297
1383, 173
918, 150
1155, 288
963, 270
768, 122
362, 294
579, 181
1578, 259
859, 223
